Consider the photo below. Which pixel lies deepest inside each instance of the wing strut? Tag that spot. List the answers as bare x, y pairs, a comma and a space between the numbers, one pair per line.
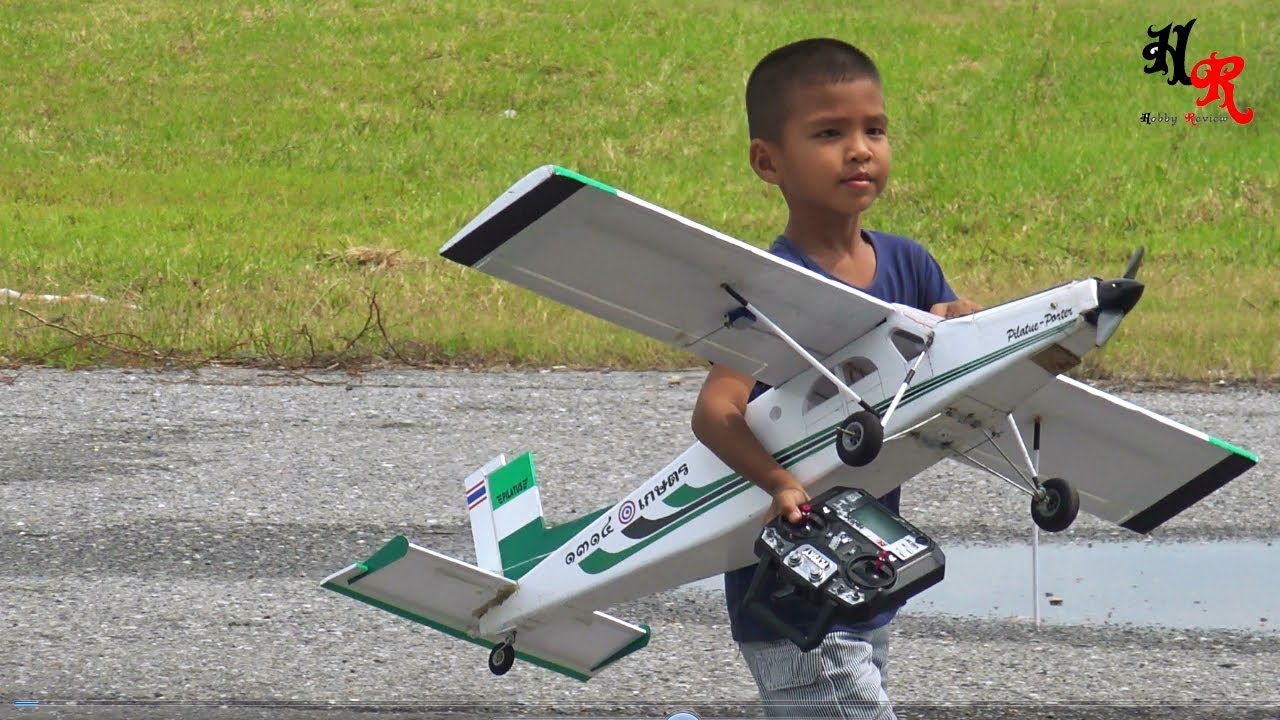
748, 313
1029, 485
897, 397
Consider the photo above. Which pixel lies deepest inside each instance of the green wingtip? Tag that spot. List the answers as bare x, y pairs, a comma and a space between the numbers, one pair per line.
1232, 448
631, 647
387, 554
585, 180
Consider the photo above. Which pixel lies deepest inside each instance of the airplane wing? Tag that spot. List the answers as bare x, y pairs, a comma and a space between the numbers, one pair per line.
1132, 467
637, 265
450, 596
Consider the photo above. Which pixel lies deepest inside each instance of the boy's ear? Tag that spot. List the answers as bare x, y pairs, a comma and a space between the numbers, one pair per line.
763, 157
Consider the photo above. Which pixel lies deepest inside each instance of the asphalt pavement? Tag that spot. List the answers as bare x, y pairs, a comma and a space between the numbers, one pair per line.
164, 535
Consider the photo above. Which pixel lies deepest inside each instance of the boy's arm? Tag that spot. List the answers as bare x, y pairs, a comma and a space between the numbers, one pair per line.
720, 423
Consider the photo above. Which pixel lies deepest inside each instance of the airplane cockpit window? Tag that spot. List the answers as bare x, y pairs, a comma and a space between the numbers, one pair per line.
851, 371
908, 344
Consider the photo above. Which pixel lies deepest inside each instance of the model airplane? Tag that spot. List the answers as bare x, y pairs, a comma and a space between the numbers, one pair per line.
865, 393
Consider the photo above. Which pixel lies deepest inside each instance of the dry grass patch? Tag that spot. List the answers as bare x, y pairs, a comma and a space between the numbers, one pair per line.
367, 258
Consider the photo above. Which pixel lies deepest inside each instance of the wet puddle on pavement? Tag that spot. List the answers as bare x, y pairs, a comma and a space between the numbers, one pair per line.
1233, 585
1196, 585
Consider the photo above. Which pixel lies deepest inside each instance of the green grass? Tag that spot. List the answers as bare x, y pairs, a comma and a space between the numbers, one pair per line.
205, 162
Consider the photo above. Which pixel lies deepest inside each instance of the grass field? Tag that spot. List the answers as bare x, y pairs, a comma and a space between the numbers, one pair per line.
269, 181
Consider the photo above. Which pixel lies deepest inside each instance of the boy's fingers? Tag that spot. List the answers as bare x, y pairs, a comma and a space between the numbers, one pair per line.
790, 500
955, 308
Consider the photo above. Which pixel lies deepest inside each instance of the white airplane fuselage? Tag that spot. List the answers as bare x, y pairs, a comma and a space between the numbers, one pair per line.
697, 517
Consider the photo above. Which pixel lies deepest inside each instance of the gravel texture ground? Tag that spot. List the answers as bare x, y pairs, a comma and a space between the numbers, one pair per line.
164, 535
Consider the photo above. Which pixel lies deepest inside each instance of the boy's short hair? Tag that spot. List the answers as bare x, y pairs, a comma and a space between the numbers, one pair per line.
807, 62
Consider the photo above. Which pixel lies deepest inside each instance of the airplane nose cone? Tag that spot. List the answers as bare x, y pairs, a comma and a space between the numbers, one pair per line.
1119, 295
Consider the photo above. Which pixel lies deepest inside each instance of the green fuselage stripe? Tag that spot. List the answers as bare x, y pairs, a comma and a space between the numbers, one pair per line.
525, 547
602, 560
933, 383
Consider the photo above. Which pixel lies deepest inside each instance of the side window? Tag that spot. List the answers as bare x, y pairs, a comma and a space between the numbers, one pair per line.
851, 371
907, 344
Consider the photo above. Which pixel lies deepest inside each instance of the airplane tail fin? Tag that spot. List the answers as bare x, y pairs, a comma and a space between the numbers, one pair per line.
452, 596
507, 524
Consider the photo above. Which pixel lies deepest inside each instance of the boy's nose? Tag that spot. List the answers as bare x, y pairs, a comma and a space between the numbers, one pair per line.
858, 149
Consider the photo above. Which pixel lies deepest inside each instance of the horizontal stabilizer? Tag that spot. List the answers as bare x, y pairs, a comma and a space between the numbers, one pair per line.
451, 596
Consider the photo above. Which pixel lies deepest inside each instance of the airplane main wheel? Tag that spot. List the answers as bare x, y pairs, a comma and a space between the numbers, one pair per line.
1058, 508
858, 438
501, 658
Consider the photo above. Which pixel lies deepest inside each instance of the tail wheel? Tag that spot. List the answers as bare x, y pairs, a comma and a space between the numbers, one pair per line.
501, 658
1058, 507
858, 438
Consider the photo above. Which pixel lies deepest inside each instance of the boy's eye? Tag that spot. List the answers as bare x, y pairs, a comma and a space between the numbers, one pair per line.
828, 133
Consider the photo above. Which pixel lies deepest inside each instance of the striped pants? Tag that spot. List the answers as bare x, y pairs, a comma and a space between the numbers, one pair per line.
844, 677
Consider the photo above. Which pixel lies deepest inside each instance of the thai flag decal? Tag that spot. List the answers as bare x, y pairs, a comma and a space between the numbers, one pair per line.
476, 495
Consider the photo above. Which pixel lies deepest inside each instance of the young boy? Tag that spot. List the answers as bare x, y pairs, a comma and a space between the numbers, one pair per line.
816, 114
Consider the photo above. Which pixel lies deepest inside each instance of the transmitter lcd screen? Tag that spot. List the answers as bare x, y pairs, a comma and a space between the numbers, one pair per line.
874, 519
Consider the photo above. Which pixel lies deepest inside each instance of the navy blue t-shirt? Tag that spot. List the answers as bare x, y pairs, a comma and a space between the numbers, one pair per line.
907, 274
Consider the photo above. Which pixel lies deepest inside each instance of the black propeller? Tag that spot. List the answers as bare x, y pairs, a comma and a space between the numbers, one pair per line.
1117, 297
1135, 261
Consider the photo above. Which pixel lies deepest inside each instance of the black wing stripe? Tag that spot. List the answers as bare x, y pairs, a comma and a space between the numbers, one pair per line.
513, 219
1189, 494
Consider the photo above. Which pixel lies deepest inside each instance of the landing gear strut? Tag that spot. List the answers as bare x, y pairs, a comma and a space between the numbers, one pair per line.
1054, 502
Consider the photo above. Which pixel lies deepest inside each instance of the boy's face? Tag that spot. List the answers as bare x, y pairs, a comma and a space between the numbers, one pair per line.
833, 155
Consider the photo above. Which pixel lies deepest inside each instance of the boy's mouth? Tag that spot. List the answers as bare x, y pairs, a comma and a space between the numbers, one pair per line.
857, 179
